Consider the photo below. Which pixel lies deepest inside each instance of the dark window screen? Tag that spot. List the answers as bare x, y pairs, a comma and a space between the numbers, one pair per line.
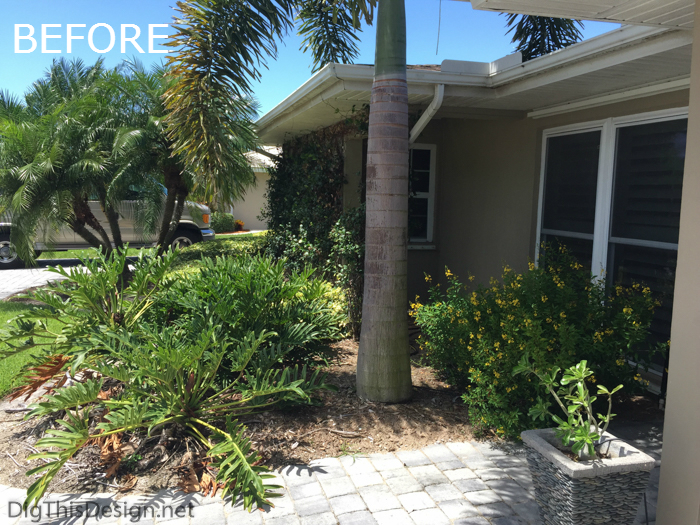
417, 218
419, 189
650, 267
571, 178
649, 180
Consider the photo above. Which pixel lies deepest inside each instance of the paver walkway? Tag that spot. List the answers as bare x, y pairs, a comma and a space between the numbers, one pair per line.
456, 483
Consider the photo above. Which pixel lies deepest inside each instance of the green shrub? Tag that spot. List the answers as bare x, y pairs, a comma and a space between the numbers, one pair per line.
346, 262
254, 293
193, 359
294, 248
343, 264
555, 313
222, 222
306, 187
304, 209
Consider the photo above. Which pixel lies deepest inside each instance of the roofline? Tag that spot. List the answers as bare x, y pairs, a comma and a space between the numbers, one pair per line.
565, 12
332, 74
625, 35
317, 80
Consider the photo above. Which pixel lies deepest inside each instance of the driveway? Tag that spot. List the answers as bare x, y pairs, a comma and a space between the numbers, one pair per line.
15, 281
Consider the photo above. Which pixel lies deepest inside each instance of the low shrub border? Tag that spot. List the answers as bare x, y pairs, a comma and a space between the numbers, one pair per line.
554, 312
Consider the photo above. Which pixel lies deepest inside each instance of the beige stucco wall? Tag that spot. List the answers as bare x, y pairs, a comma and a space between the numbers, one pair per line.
487, 187
248, 208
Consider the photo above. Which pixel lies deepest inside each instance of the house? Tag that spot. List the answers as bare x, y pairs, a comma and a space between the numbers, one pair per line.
508, 154
586, 145
250, 205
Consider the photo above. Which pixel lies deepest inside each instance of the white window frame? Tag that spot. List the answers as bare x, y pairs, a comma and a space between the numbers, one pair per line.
430, 194
604, 189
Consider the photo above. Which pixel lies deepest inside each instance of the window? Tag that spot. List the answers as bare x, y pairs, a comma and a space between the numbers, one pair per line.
570, 192
611, 192
421, 193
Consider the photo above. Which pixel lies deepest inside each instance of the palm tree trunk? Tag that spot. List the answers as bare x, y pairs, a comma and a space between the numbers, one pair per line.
79, 228
167, 217
177, 215
383, 365
175, 186
85, 217
113, 220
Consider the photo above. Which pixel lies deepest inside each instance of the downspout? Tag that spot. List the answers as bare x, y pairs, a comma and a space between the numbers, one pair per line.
428, 114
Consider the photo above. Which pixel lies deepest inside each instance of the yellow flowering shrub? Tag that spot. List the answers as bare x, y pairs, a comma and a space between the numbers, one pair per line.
555, 312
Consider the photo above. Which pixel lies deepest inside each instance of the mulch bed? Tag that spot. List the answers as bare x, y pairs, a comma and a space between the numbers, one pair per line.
340, 424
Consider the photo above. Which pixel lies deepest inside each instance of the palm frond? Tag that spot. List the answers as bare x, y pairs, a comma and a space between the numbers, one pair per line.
539, 35
328, 32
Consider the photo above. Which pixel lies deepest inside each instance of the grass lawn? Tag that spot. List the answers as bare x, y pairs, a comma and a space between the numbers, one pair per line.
90, 252
76, 254
10, 366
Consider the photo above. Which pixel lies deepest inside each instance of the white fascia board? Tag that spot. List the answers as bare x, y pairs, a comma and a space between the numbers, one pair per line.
350, 72
613, 56
335, 78
316, 83
620, 37
623, 44
291, 112
572, 11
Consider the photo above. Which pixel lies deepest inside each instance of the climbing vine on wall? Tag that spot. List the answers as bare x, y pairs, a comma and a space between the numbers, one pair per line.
304, 208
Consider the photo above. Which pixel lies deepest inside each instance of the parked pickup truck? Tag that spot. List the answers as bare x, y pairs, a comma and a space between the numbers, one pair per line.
193, 227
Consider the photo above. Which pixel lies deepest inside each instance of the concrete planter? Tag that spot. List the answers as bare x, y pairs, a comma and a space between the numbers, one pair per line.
603, 491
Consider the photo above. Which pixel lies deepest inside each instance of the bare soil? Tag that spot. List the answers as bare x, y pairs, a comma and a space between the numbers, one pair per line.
340, 424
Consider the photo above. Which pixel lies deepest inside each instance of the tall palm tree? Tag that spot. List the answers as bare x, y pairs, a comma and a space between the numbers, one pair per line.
144, 145
143, 151
52, 158
220, 46
219, 56
383, 364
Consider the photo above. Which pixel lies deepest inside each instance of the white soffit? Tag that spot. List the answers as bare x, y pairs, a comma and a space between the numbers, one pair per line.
667, 13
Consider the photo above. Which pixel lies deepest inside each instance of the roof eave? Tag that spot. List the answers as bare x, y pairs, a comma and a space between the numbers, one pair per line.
619, 45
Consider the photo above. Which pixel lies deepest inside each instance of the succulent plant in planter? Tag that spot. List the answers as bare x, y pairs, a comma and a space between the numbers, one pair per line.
582, 474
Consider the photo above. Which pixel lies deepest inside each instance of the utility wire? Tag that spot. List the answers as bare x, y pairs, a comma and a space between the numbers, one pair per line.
439, 23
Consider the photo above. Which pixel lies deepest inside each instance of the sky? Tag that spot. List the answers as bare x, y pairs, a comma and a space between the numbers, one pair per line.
464, 34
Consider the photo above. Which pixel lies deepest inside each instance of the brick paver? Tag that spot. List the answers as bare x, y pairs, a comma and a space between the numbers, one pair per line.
383, 489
